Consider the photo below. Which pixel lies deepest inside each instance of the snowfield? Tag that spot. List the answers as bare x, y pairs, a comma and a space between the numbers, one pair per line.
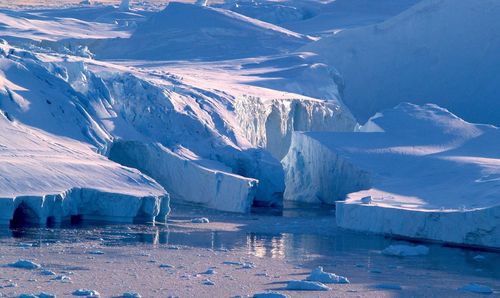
413, 171
185, 32
425, 54
110, 110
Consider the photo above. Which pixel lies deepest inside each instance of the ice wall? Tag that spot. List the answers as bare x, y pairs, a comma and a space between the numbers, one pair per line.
270, 123
188, 180
415, 171
86, 204
316, 174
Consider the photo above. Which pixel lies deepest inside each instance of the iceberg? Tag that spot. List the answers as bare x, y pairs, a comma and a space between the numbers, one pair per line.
46, 178
428, 174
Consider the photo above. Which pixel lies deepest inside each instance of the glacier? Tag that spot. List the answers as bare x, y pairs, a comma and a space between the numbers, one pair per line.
225, 135
412, 171
424, 54
49, 179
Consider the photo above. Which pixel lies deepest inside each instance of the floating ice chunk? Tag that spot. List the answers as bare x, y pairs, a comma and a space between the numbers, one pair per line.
131, 295
47, 272
248, 265
271, 295
208, 282
232, 263
477, 288
62, 278
86, 292
402, 250
11, 285
389, 286
304, 285
96, 252
200, 220
210, 271
25, 264
329, 278
479, 258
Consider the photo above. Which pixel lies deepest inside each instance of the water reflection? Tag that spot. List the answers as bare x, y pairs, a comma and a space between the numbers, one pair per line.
343, 249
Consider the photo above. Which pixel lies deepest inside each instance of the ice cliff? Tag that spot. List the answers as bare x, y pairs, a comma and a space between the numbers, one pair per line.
413, 171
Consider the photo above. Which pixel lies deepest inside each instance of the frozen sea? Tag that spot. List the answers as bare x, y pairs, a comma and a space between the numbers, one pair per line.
248, 254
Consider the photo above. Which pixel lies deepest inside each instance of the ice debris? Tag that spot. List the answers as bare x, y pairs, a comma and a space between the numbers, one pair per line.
131, 295
325, 277
86, 292
200, 220
25, 264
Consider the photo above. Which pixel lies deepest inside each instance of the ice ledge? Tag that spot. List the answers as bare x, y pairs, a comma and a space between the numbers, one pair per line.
478, 228
187, 180
87, 204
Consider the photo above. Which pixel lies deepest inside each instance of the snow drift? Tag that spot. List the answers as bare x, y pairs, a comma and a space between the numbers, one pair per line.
185, 31
428, 53
416, 171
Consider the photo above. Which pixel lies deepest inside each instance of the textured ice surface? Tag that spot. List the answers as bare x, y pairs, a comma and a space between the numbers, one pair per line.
429, 173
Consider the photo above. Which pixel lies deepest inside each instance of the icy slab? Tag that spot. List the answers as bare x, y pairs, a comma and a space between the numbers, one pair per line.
401, 250
325, 277
45, 177
425, 54
217, 189
430, 175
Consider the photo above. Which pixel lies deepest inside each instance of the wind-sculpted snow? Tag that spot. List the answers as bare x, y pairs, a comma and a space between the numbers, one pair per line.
184, 31
415, 171
46, 178
425, 54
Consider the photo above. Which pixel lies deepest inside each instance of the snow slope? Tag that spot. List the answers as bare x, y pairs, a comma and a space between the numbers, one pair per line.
184, 31
426, 54
321, 17
183, 121
416, 171
44, 178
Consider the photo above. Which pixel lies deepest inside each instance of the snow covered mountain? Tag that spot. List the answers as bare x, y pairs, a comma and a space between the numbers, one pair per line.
414, 171
438, 51
184, 31
320, 18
